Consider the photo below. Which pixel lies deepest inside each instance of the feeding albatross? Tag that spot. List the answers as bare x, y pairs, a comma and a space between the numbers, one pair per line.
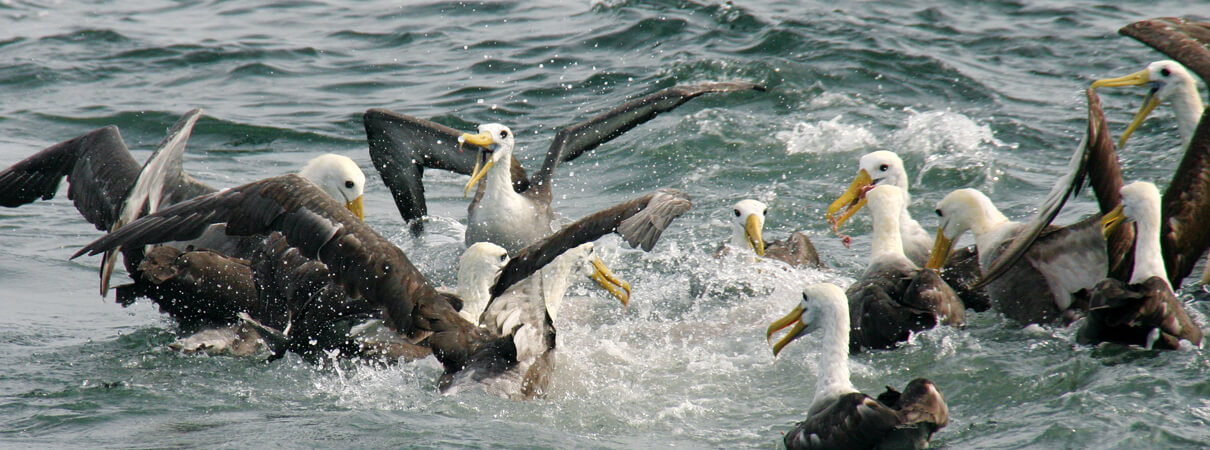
747, 228
839, 415
1184, 236
402, 147
894, 297
882, 168
1142, 310
198, 286
367, 265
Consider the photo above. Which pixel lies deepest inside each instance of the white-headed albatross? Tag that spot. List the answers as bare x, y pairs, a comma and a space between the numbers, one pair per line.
109, 188
883, 168
839, 415
894, 297
402, 147
368, 266
747, 232
1037, 287
1142, 310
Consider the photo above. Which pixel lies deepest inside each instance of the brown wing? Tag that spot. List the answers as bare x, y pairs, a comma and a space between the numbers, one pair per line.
1128, 313
854, 421
1185, 230
362, 261
796, 251
639, 221
574, 140
402, 146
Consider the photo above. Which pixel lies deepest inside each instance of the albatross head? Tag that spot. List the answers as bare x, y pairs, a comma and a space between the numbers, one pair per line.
478, 269
820, 302
879, 168
961, 210
747, 225
340, 178
1140, 203
495, 142
1164, 78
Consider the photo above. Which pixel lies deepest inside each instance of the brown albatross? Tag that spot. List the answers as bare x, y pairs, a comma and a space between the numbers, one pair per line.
839, 416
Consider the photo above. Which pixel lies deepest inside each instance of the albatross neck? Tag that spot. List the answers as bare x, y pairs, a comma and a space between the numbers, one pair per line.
833, 380
1148, 258
887, 241
1188, 108
500, 176
474, 289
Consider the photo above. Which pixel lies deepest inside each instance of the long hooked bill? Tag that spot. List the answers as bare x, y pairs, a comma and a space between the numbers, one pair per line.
1111, 221
941, 251
752, 231
357, 207
482, 140
795, 318
608, 281
1150, 102
851, 200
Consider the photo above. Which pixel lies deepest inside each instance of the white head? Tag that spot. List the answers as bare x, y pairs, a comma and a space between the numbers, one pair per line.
340, 178
1166, 80
747, 225
880, 168
1140, 204
958, 212
823, 304
583, 261
495, 142
478, 269
884, 168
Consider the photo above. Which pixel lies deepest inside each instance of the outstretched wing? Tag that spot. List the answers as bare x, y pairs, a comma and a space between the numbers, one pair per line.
401, 146
574, 140
1094, 160
1185, 226
363, 262
639, 221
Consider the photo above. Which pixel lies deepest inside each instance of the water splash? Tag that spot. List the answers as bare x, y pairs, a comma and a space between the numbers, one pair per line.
828, 136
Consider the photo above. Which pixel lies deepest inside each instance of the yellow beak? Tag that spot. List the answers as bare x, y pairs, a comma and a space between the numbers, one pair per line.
1111, 221
609, 282
1139, 78
851, 200
357, 207
482, 140
941, 251
794, 317
752, 231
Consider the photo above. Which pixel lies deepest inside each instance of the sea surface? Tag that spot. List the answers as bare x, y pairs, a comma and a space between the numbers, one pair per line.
986, 95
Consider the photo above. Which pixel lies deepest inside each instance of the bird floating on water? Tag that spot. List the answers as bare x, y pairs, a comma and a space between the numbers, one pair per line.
839, 415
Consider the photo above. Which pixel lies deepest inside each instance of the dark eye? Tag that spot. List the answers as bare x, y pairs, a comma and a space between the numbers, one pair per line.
884, 167
503, 134
765, 212
503, 257
737, 213
938, 211
349, 184
1165, 72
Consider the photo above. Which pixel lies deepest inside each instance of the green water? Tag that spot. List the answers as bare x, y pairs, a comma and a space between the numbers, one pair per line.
986, 95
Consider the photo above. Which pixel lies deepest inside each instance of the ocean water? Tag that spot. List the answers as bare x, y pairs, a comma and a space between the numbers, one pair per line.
971, 94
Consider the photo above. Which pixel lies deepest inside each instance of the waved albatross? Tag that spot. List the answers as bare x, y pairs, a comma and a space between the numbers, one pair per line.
367, 265
192, 281
839, 415
894, 297
882, 168
747, 228
402, 147
1142, 310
